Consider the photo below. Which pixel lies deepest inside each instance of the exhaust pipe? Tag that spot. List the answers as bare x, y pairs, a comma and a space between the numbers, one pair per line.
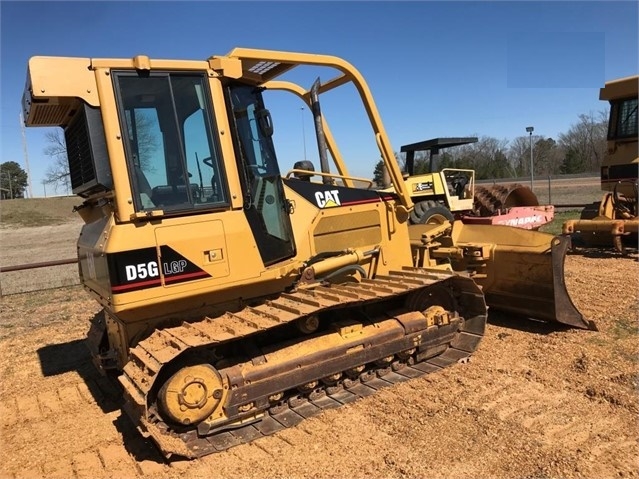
319, 131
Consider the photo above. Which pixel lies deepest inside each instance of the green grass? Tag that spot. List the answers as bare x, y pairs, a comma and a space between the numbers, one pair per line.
38, 211
624, 328
554, 227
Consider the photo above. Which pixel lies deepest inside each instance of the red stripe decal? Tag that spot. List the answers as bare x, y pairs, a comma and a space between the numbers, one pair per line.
156, 282
182, 277
361, 202
143, 284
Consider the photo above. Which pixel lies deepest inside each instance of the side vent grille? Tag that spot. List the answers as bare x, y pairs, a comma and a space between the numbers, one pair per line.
87, 153
79, 152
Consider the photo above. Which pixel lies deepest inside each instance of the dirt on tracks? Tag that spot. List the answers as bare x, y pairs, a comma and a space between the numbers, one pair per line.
534, 401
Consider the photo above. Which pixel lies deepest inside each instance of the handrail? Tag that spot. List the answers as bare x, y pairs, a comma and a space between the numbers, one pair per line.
331, 175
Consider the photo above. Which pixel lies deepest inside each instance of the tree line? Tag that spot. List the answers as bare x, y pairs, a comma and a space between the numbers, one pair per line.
579, 150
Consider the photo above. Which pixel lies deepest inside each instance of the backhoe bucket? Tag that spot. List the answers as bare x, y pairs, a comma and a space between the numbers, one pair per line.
520, 271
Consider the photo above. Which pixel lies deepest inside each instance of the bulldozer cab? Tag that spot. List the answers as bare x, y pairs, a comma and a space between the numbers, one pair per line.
176, 163
173, 153
619, 167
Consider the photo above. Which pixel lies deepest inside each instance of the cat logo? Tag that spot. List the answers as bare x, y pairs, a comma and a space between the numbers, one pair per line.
327, 199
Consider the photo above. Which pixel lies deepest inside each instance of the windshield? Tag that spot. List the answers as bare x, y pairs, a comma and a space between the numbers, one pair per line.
173, 158
623, 119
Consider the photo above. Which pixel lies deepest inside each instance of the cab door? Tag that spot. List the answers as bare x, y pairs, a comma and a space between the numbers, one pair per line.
265, 206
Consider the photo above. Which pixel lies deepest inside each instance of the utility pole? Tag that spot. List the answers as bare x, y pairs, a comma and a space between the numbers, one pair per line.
26, 155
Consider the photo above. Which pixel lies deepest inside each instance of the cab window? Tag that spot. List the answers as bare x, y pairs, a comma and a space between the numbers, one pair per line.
624, 119
172, 154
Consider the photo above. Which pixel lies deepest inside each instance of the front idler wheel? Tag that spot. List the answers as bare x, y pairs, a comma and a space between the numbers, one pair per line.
192, 395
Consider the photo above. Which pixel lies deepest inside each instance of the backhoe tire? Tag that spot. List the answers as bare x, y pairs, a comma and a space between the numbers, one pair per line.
430, 212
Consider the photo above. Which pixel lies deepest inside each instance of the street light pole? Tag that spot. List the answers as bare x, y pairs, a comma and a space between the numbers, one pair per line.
530, 130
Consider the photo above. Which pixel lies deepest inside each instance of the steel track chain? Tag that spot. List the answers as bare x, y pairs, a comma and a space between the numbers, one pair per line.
305, 407
161, 347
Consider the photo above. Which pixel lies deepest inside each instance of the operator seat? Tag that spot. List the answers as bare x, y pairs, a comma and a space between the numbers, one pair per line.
303, 165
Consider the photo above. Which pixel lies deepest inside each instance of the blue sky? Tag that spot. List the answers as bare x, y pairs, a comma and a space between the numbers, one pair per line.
435, 68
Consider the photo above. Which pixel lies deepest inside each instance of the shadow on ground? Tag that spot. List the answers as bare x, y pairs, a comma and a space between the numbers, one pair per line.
586, 252
522, 323
603, 247
74, 356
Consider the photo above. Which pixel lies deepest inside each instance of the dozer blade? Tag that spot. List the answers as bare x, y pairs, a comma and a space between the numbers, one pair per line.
520, 271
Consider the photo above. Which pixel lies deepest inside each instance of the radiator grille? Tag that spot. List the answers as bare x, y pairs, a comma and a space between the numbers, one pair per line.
79, 151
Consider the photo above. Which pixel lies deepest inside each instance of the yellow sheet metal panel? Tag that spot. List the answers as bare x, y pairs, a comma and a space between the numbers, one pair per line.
148, 63
53, 89
350, 230
620, 88
63, 78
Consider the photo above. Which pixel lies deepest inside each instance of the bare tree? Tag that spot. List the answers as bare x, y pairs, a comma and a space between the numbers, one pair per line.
57, 173
486, 157
586, 140
547, 157
147, 139
519, 155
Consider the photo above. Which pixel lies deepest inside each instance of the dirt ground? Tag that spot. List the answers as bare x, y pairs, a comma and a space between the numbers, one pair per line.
38, 244
535, 401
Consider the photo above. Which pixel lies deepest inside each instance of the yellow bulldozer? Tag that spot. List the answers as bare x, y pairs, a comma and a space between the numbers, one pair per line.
615, 219
239, 299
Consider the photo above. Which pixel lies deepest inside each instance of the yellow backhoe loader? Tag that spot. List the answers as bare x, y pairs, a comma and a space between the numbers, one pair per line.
452, 193
239, 299
615, 219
